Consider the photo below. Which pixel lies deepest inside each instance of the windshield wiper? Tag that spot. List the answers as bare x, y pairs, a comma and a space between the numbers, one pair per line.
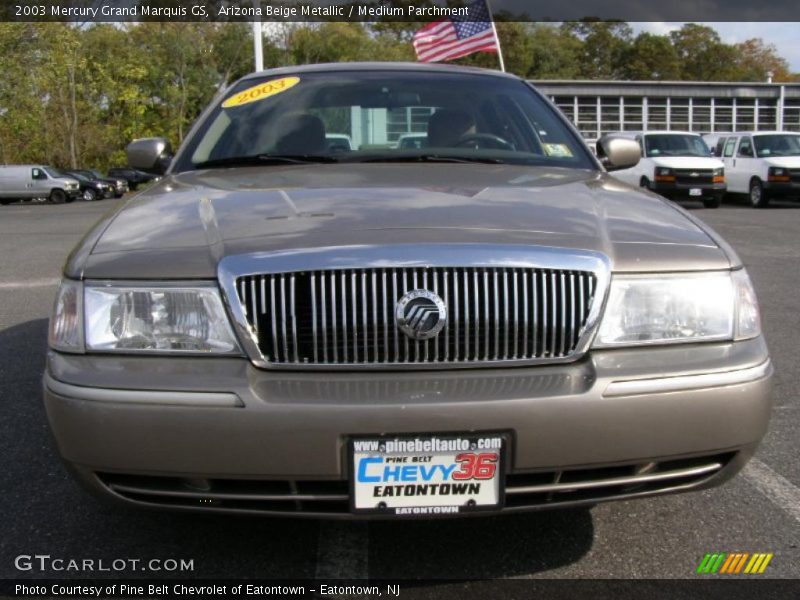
430, 158
266, 159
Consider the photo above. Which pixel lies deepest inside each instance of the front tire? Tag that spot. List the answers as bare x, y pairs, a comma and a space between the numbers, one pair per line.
58, 196
89, 195
712, 202
644, 183
758, 195
5, 201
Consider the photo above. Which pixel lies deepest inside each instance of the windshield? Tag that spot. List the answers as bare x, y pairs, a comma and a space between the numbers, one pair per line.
383, 116
78, 176
777, 145
675, 145
52, 172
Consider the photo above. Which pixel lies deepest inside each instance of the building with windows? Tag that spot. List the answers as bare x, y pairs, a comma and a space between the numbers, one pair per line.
598, 107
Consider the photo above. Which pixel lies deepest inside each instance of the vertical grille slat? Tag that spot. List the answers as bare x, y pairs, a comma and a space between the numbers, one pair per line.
385, 317
347, 316
553, 314
293, 316
525, 315
284, 319
274, 319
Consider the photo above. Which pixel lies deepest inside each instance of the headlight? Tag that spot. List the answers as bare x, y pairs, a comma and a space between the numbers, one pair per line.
664, 174
660, 309
718, 175
146, 318
777, 174
66, 325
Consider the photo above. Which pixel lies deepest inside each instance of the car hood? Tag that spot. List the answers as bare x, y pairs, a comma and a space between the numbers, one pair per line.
687, 162
787, 162
183, 225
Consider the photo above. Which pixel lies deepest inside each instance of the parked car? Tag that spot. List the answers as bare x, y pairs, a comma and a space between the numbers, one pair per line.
91, 188
26, 182
714, 141
338, 142
677, 165
491, 324
134, 177
412, 141
119, 185
762, 164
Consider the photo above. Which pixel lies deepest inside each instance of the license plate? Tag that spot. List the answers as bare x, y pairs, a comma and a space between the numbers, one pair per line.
695, 192
427, 474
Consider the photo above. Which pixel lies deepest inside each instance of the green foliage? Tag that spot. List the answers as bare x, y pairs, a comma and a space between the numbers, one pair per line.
76, 95
652, 57
605, 44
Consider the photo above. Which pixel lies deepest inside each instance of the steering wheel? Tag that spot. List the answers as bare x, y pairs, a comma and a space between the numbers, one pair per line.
483, 140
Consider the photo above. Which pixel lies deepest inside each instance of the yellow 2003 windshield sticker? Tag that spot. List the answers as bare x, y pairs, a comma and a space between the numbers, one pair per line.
261, 91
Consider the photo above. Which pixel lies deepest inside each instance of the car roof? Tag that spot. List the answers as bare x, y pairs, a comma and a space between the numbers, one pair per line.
379, 66
633, 134
755, 133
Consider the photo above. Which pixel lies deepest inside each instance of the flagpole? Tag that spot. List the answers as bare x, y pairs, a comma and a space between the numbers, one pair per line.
496, 38
258, 42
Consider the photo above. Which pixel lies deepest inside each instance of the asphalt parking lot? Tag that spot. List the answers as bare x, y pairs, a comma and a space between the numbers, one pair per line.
43, 511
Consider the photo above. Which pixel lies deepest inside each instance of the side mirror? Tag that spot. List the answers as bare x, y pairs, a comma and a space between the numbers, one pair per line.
617, 152
152, 155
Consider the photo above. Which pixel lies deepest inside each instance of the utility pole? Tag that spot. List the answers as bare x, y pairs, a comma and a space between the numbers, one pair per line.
258, 40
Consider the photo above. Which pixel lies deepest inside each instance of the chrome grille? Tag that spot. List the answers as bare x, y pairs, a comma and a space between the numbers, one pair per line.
346, 316
685, 176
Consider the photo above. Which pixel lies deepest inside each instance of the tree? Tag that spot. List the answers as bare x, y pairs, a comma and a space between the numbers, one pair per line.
605, 45
652, 57
702, 54
555, 52
755, 60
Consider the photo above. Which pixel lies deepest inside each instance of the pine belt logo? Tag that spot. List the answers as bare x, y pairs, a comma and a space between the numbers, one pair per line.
734, 563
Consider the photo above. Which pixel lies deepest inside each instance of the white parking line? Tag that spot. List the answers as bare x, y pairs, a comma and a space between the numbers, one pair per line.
342, 550
774, 486
27, 284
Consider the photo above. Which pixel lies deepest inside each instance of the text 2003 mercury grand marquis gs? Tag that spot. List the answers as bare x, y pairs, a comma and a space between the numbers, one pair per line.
484, 323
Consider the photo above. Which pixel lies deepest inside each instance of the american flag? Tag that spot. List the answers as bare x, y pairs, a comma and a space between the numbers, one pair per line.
457, 36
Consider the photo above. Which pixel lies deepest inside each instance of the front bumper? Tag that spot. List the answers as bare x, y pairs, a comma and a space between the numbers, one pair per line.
779, 189
130, 427
681, 191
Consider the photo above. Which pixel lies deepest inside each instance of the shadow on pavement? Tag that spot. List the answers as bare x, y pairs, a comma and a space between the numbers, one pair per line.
508, 546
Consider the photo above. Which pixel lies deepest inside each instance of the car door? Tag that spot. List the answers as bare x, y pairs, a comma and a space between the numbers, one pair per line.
745, 164
729, 159
7, 182
39, 183
17, 182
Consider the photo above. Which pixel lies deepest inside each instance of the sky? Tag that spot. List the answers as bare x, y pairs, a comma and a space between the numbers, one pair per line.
783, 35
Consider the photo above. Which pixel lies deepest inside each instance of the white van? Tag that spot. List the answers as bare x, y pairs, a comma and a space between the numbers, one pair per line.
25, 182
676, 164
761, 164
